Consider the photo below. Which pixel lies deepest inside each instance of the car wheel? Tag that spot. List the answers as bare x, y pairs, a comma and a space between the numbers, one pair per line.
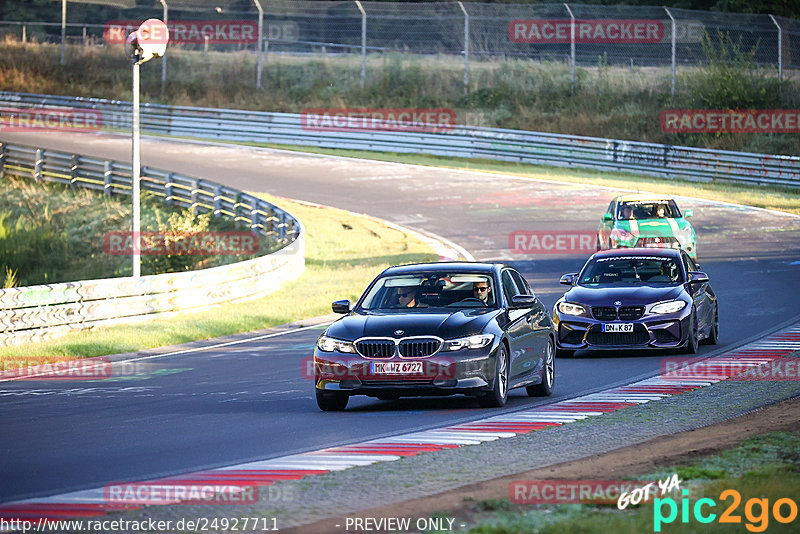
499, 394
545, 389
331, 401
691, 341
713, 333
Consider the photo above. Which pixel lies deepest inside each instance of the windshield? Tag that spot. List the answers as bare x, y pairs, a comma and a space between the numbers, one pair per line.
648, 209
631, 270
431, 290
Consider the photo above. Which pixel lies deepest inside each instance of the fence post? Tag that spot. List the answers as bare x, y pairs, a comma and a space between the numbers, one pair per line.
37, 165
571, 50
195, 189
2, 159
363, 44
218, 201
260, 42
780, 48
466, 47
107, 172
24, 33
63, 30
165, 18
674, 36
168, 189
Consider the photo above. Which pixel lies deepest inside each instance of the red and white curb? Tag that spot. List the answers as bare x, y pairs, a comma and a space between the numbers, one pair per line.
93, 502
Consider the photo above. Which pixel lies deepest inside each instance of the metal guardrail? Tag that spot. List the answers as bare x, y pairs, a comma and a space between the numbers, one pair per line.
36, 312
664, 161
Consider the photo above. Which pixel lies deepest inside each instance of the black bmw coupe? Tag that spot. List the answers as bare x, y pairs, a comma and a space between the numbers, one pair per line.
640, 298
438, 329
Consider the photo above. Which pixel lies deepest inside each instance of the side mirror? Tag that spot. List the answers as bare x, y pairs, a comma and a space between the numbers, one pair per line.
568, 279
696, 277
523, 301
687, 214
341, 306
607, 217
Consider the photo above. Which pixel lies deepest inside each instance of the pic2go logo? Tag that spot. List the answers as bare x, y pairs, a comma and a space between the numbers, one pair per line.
756, 511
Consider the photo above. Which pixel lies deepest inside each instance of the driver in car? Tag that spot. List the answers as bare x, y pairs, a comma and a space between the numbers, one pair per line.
482, 290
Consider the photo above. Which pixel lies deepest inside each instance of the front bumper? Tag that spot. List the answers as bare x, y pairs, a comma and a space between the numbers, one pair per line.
467, 371
649, 332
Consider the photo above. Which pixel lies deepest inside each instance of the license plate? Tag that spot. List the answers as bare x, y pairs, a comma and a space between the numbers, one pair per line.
396, 368
618, 327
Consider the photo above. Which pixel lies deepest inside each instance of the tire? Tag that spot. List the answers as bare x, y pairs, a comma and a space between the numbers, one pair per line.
545, 389
331, 401
713, 333
691, 341
497, 397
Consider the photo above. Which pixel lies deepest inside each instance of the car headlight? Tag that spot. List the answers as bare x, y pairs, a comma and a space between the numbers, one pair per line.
571, 309
472, 342
328, 344
672, 306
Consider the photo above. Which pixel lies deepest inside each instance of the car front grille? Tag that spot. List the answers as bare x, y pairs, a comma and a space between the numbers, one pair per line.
631, 312
419, 347
665, 242
637, 337
604, 313
375, 348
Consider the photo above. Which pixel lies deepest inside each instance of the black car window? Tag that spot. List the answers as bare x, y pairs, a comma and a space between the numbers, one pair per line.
610, 209
690, 264
421, 291
631, 270
509, 288
522, 284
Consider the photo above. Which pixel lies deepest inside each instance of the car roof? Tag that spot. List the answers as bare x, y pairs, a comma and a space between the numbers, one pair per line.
643, 197
446, 266
626, 252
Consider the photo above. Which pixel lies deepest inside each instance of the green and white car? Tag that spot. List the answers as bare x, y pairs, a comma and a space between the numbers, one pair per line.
646, 221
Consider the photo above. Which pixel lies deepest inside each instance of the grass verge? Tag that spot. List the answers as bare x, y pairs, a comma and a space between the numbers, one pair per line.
343, 253
765, 467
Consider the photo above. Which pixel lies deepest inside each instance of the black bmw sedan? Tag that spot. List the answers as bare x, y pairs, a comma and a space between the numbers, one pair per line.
640, 298
438, 329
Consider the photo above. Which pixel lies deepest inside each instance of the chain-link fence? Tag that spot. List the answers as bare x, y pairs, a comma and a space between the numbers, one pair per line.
471, 33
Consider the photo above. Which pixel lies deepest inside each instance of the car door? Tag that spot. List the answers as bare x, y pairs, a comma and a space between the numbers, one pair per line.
523, 355
538, 319
604, 232
700, 295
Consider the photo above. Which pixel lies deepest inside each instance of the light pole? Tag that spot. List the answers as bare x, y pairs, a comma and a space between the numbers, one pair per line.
148, 41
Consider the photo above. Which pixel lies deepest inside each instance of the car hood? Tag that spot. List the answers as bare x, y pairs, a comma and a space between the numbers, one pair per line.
654, 227
629, 296
447, 325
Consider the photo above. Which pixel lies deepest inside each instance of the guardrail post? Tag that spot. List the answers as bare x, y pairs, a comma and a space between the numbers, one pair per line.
218, 201
673, 39
236, 208
107, 184
37, 165
195, 189
2, 159
363, 44
73, 170
260, 42
168, 189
